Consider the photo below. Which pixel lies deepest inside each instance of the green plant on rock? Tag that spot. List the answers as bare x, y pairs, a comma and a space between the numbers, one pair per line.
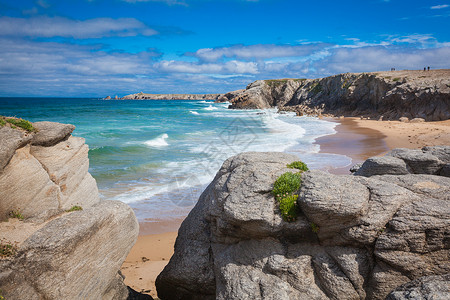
317, 88
16, 214
74, 208
396, 79
288, 207
314, 227
2, 121
286, 183
299, 165
7, 249
24, 124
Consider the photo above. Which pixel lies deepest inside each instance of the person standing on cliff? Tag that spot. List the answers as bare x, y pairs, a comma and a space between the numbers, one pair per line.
428, 68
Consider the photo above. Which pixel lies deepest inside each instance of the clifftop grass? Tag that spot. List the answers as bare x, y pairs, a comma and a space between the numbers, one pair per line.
15, 122
277, 82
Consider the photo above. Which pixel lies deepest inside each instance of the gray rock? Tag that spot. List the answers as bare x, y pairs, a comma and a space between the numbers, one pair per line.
50, 133
355, 167
424, 288
418, 161
441, 152
404, 119
445, 171
76, 256
417, 120
370, 234
11, 140
382, 165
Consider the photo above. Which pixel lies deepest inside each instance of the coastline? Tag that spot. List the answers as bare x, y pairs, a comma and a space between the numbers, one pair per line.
358, 139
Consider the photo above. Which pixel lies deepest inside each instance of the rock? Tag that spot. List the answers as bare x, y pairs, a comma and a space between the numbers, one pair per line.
382, 165
108, 98
355, 167
76, 256
404, 119
441, 152
11, 140
50, 133
427, 287
27, 188
355, 237
419, 162
417, 120
445, 171
67, 164
369, 95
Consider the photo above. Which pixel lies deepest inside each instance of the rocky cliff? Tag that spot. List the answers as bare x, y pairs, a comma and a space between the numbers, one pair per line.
58, 240
143, 96
382, 232
412, 94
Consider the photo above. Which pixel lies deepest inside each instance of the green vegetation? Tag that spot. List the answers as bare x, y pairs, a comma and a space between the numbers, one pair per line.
1, 297
287, 183
284, 190
288, 207
299, 165
314, 227
396, 79
24, 124
7, 249
277, 82
317, 88
2, 121
16, 214
74, 208
347, 83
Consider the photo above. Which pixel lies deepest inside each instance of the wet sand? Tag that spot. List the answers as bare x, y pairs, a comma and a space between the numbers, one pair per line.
358, 139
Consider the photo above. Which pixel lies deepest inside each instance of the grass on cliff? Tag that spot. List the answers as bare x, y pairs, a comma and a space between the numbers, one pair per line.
17, 214
299, 165
284, 190
277, 82
74, 208
21, 123
7, 249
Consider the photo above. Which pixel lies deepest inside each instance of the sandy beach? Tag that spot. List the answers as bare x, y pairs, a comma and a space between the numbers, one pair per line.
358, 139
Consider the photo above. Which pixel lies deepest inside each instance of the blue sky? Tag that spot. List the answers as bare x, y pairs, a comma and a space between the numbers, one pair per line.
96, 47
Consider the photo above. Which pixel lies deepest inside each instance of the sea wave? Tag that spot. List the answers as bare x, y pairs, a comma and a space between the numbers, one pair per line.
158, 142
194, 112
210, 108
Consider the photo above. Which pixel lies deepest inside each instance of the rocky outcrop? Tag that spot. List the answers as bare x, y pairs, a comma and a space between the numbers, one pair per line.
143, 96
57, 254
410, 94
356, 237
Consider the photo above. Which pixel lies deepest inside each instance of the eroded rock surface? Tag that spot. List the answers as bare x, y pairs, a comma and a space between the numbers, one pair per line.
409, 94
59, 255
356, 237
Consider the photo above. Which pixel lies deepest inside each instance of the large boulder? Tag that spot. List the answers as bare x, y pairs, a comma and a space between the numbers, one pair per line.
356, 237
11, 140
76, 256
50, 133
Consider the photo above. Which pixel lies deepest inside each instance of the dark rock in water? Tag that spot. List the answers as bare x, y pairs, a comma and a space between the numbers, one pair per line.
356, 237
356, 167
428, 287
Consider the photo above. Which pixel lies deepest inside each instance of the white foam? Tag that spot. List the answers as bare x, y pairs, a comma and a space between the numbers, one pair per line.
194, 112
158, 142
210, 108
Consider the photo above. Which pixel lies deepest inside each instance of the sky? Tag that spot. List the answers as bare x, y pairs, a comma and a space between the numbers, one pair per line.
95, 48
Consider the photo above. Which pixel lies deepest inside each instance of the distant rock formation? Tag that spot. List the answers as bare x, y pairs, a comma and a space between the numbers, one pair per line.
54, 253
143, 96
357, 236
396, 94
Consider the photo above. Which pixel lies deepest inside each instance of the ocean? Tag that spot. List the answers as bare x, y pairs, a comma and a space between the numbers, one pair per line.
158, 156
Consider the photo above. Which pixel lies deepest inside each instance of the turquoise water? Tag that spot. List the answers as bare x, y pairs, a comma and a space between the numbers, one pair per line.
158, 156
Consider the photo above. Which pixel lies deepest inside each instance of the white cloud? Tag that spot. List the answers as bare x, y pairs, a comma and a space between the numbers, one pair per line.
255, 52
64, 27
230, 67
440, 6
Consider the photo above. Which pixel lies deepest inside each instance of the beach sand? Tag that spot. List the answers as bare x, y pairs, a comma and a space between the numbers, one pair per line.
358, 139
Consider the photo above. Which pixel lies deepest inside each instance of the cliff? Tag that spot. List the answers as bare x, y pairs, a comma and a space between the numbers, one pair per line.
382, 232
395, 94
143, 96
58, 240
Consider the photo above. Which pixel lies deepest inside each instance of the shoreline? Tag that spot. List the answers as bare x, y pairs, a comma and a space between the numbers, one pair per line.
355, 138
